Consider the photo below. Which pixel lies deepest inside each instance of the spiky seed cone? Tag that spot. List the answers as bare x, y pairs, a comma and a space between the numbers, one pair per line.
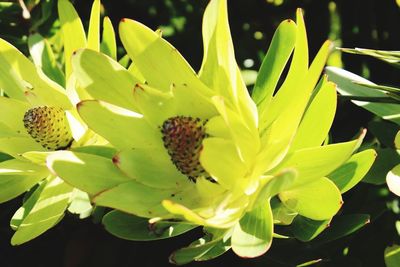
183, 137
48, 126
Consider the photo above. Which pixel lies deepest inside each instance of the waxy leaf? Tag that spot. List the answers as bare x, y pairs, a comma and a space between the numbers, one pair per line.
89, 173
349, 174
393, 180
73, 34
305, 229
319, 200
392, 256
213, 244
93, 39
347, 86
343, 225
108, 44
252, 236
48, 209
314, 163
131, 227
17, 177
103, 78
274, 62
43, 57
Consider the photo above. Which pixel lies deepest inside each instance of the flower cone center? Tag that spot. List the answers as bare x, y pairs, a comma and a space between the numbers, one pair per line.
48, 126
183, 137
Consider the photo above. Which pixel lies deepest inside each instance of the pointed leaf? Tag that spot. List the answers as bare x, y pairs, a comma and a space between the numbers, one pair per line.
152, 54
274, 62
108, 44
349, 174
93, 41
347, 86
316, 162
321, 109
343, 225
73, 34
219, 67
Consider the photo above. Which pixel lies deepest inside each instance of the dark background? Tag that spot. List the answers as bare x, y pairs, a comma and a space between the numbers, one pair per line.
350, 23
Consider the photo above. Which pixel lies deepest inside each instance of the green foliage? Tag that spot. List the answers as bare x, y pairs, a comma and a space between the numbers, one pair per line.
128, 162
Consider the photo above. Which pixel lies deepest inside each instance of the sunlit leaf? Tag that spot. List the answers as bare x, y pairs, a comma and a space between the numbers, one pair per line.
252, 236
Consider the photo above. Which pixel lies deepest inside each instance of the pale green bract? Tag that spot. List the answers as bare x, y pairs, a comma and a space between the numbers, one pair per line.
269, 145
27, 85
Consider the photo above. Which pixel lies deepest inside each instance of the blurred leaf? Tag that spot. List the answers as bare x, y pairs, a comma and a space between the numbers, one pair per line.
350, 173
347, 87
387, 89
131, 227
392, 57
384, 131
393, 180
249, 76
397, 140
80, 204
309, 263
387, 158
392, 256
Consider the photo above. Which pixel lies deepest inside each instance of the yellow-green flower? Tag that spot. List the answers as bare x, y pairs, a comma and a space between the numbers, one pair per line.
39, 117
197, 149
